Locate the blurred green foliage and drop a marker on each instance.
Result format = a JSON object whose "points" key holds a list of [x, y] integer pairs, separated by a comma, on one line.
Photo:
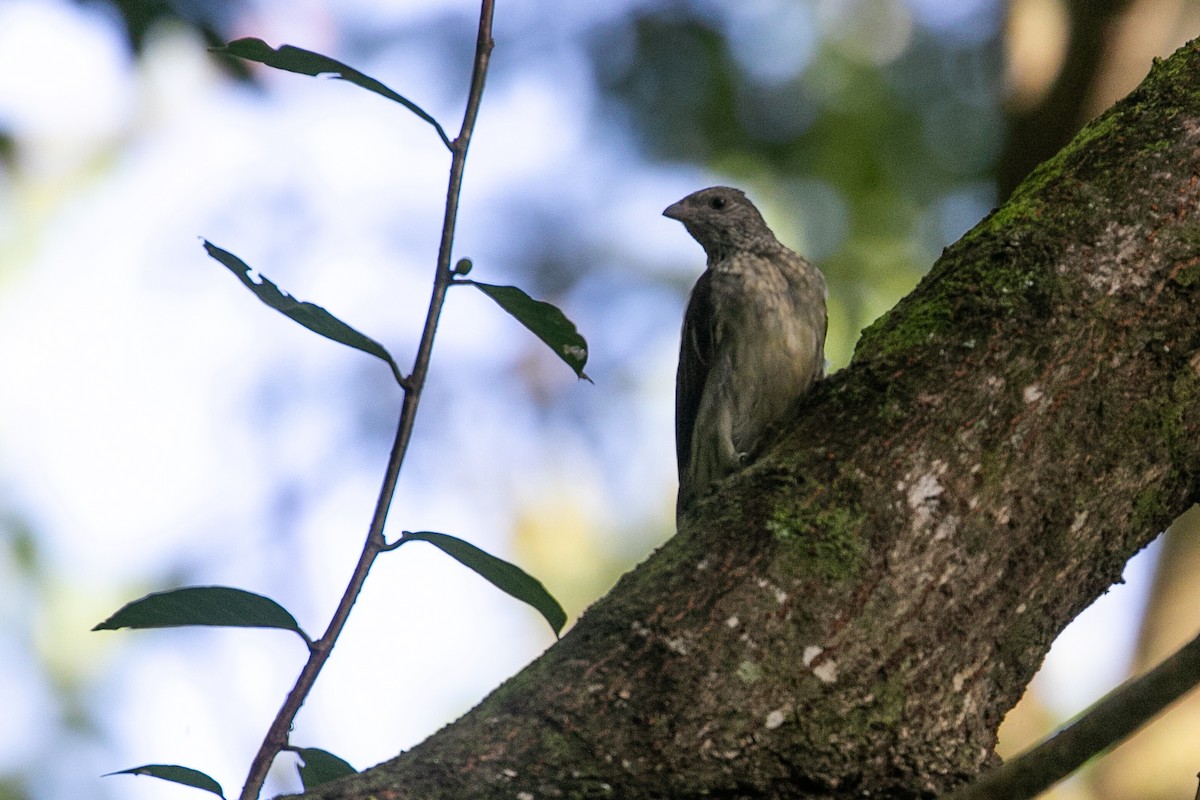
{"points": [[869, 131], [878, 151]]}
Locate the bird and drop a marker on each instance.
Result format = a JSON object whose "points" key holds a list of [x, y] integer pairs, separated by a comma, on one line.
{"points": [[753, 338]]}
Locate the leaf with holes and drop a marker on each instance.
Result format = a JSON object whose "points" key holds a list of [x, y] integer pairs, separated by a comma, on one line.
{"points": [[544, 320], [311, 316]]}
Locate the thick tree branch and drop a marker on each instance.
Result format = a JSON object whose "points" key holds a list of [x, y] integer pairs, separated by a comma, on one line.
{"points": [[854, 613]]}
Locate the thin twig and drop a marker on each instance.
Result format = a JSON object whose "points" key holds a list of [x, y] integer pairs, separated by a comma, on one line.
{"points": [[1116, 716], [276, 738]]}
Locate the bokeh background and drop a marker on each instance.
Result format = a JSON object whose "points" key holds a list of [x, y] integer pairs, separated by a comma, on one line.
{"points": [[159, 427]]}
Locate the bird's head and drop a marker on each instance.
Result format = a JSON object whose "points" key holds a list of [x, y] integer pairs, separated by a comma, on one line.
{"points": [[721, 219]]}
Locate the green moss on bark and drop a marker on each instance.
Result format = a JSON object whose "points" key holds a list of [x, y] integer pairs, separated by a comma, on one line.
{"points": [[823, 535]]}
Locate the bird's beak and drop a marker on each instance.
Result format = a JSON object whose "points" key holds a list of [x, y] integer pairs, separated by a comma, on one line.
{"points": [[674, 211]]}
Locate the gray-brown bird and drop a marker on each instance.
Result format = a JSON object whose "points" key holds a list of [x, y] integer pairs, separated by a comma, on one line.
{"points": [[753, 338]]}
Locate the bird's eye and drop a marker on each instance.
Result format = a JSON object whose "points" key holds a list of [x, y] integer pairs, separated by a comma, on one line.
{"points": [[717, 203]]}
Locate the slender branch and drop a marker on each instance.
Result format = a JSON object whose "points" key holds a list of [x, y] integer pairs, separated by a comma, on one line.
{"points": [[1112, 719], [276, 738]]}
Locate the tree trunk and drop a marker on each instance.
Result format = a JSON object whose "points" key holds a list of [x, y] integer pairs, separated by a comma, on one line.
{"points": [[853, 614]]}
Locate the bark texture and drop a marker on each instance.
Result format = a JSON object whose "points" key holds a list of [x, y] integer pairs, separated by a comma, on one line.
{"points": [[853, 614]]}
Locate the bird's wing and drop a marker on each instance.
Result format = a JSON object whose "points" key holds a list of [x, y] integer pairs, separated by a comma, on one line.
{"points": [[816, 307], [695, 358]]}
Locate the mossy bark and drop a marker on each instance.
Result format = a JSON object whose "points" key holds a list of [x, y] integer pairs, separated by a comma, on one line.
{"points": [[853, 614]]}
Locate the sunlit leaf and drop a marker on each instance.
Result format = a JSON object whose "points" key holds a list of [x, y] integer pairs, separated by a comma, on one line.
{"points": [[503, 575], [545, 320], [311, 316], [176, 774], [319, 766], [202, 605], [306, 62]]}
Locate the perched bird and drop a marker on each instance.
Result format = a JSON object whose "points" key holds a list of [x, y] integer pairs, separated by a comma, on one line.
{"points": [[753, 338]]}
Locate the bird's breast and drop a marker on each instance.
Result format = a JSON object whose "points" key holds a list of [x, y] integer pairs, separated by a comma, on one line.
{"points": [[769, 342]]}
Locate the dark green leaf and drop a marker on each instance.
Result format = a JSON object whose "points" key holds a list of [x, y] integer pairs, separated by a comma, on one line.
{"points": [[311, 316], [306, 62], [176, 774], [503, 575], [319, 766], [202, 605], [545, 320]]}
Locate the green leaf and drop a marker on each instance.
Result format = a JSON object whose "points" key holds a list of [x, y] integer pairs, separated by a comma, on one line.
{"points": [[202, 605], [306, 62], [176, 774], [503, 575], [545, 320], [320, 767], [311, 316]]}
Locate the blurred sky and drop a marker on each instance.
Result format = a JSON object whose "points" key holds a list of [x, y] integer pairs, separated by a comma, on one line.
{"points": [[160, 427]]}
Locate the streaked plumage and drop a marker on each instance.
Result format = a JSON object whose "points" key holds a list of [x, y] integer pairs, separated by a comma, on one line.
{"points": [[753, 338]]}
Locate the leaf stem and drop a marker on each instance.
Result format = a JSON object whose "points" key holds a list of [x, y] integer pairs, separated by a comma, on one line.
{"points": [[276, 738]]}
